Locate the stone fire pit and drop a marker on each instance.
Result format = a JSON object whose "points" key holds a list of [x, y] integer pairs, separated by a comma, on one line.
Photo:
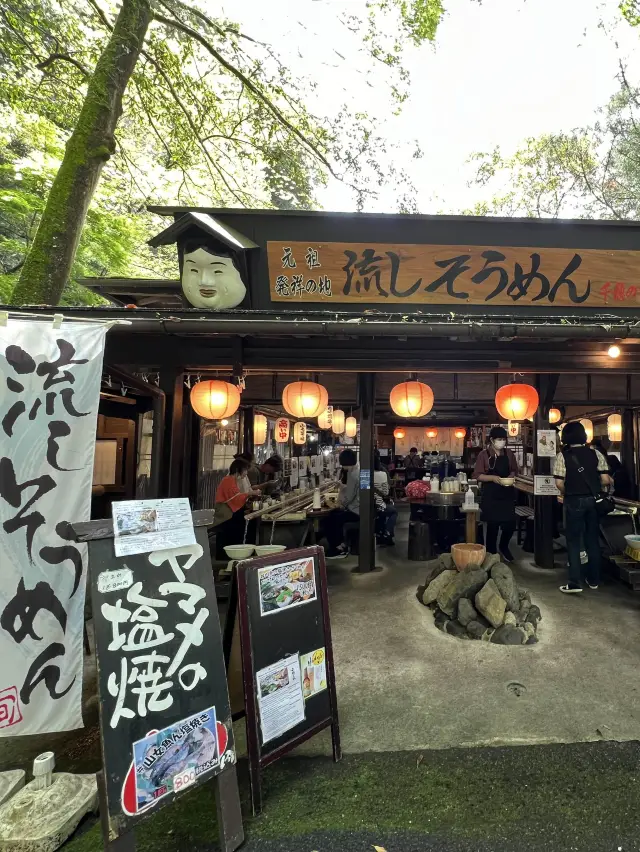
{"points": [[481, 602]]}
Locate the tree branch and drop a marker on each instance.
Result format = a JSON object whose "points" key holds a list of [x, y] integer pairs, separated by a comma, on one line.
{"points": [[42, 66], [190, 122], [236, 72]]}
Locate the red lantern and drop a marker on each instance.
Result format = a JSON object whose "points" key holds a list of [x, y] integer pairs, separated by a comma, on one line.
{"points": [[399, 433], [460, 433], [517, 401], [411, 399], [431, 432], [555, 415]]}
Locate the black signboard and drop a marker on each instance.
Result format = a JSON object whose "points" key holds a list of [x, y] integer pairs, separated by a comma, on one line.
{"points": [[287, 656], [164, 707]]}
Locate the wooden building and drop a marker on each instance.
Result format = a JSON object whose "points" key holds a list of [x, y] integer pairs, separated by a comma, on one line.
{"points": [[366, 300]]}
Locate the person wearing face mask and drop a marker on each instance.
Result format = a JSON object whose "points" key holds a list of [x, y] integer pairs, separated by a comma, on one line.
{"points": [[498, 500], [233, 492]]}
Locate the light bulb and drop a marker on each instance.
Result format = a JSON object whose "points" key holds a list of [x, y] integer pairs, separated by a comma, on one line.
{"points": [[225, 422], [613, 351]]}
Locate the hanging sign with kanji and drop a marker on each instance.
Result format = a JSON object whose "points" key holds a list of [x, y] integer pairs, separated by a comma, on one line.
{"points": [[453, 275], [49, 395], [282, 430]]}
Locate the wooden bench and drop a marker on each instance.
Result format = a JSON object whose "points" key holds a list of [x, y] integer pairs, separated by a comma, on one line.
{"points": [[523, 513]]}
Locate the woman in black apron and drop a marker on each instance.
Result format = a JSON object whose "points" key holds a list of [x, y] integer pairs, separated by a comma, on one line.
{"points": [[498, 500]]}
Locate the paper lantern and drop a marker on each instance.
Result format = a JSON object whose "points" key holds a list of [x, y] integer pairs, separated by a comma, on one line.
{"points": [[431, 432], [555, 415], [325, 420], [351, 427], [588, 428], [460, 433], [399, 433], [411, 399], [614, 427], [259, 429], [299, 433], [517, 401], [214, 399], [338, 422], [282, 430], [304, 399]]}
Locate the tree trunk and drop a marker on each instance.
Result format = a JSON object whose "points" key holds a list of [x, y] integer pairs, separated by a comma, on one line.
{"points": [[48, 264]]}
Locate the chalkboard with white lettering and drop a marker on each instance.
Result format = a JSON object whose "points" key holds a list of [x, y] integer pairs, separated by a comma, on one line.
{"points": [[164, 705]]}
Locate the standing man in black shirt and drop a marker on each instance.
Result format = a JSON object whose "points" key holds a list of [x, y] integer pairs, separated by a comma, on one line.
{"points": [[580, 473]]}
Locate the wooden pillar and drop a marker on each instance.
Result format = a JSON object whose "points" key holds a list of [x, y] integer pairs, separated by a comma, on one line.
{"points": [[627, 449], [246, 432], [174, 438], [367, 396], [543, 506]]}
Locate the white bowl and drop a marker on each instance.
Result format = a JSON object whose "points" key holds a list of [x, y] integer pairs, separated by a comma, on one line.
{"points": [[507, 480], [239, 551], [269, 549], [633, 541]]}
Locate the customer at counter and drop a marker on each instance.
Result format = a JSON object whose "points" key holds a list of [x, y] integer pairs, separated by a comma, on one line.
{"points": [[498, 502], [387, 512], [348, 509], [581, 473], [231, 495], [261, 475], [413, 465]]}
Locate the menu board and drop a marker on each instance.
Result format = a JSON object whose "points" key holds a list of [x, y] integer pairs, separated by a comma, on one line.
{"points": [[165, 722], [287, 656]]}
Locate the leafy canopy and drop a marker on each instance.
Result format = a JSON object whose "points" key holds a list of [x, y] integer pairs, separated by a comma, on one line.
{"points": [[211, 116], [591, 172]]}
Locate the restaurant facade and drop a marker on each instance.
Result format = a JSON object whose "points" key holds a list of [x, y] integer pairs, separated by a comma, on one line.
{"points": [[360, 303]]}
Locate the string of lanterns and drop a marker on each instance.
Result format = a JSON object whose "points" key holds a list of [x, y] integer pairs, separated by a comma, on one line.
{"points": [[215, 399]]}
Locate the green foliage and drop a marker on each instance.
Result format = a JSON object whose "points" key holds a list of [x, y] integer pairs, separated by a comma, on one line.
{"points": [[211, 117], [30, 152], [631, 11], [592, 172]]}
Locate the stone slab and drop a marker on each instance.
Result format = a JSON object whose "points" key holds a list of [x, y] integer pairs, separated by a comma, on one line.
{"points": [[10, 782], [41, 820]]}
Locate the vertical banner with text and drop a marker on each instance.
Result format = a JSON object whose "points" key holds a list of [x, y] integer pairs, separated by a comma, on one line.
{"points": [[49, 395]]}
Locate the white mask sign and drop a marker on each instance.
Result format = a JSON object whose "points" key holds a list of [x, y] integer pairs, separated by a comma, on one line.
{"points": [[211, 280]]}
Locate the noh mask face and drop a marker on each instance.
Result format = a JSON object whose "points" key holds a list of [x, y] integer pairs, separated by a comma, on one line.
{"points": [[211, 281]]}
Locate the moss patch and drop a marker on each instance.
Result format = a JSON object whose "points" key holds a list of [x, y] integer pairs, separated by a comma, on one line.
{"points": [[521, 794]]}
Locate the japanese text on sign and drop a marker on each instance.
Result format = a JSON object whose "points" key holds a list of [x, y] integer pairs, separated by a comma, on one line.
{"points": [[438, 274], [143, 679], [49, 393]]}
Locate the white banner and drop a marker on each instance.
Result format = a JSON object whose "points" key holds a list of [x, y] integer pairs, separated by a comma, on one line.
{"points": [[49, 394]]}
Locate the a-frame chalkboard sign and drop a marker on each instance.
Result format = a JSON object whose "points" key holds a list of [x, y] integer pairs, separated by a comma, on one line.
{"points": [[165, 722], [287, 656]]}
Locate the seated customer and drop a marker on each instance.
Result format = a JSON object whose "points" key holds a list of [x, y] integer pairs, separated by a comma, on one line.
{"points": [[384, 506], [232, 493], [348, 505]]}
